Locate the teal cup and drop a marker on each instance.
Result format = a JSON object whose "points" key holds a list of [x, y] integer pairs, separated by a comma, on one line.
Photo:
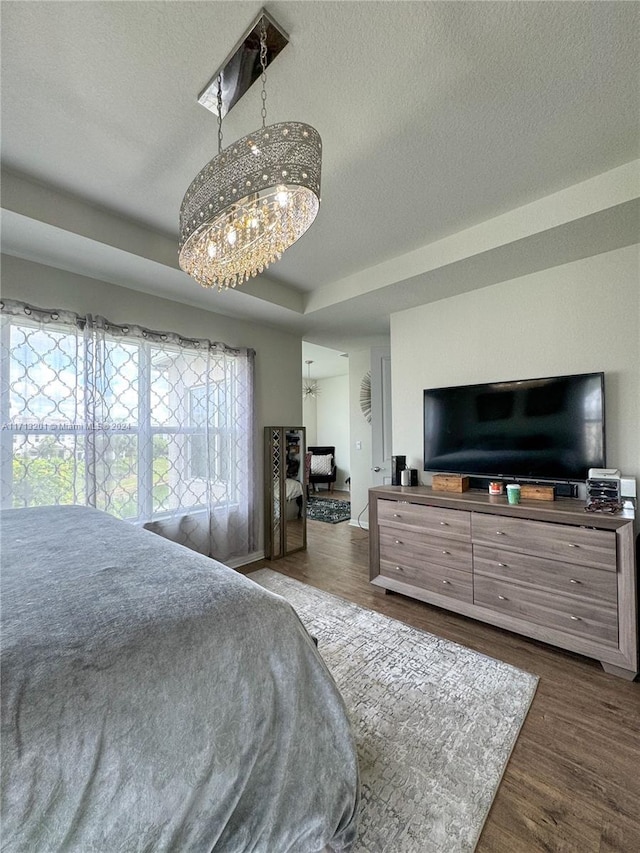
{"points": [[513, 493]]}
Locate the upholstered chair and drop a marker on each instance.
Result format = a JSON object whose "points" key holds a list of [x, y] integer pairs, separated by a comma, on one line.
{"points": [[323, 466]]}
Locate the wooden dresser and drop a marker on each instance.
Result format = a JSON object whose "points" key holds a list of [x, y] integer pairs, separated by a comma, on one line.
{"points": [[550, 571]]}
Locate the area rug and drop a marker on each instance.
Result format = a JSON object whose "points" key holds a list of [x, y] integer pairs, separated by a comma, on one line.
{"points": [[434, 722], [328, 509]]}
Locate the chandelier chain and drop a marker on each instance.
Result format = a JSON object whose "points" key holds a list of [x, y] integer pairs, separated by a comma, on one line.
{"points": [[219, 113], [263, 76]]}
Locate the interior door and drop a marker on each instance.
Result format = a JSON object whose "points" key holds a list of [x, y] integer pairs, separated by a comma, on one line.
{"points": [[381, 438]]}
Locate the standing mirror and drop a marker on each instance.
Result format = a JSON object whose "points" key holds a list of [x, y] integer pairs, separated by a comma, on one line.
{"points": [[285, 491]]}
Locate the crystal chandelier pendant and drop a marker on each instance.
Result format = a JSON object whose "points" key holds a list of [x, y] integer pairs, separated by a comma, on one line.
{"points": [[254, 199], [250, 203]]}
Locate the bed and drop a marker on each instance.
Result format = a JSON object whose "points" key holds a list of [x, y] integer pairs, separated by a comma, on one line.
{"points": [[155, 700], [293, 498]]}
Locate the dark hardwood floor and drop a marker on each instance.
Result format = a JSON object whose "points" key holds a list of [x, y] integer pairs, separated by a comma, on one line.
{"points": [[573, 780]]}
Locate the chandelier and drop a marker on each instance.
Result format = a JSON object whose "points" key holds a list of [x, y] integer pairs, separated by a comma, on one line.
{"points": [[254, 199], [309, 389]]}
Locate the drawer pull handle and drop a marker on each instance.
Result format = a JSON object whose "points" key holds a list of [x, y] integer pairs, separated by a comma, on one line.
{"points": [[576, 619], [499, 533], [502, 598], [398, 542], [446, 552], [571, 545], [573, 580], [444, 523], [397, 515], [399, 569], [503, 565], [446, 582]]}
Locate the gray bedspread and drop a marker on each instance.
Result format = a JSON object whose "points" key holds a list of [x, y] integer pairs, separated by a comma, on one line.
{"points": [[155, 700]]}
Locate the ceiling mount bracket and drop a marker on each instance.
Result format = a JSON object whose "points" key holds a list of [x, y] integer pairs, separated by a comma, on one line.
{"points": [[242, 67]]}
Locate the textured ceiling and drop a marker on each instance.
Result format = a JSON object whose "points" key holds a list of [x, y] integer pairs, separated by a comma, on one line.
{"points": [[435, 117]]}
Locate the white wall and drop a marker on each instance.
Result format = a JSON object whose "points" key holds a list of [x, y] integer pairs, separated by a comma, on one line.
{"points": [[332, 422], [575, 318], [278, 391], [310, 419]]}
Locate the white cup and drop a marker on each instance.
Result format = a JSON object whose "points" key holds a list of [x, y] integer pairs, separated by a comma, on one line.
{"points": [[405, 477]]}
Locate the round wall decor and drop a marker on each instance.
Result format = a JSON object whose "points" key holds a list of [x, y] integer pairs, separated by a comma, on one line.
{"points": [[365, 396]]}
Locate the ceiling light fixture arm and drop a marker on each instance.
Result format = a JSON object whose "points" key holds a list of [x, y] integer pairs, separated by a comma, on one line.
{"points": [[263, 65], [219, 113]]}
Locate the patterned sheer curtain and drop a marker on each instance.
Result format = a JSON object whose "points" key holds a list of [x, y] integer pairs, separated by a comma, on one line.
{"points": [[149, 426]]}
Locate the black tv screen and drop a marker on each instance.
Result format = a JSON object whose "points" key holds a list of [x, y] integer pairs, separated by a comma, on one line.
{"points": [[535, 429]]}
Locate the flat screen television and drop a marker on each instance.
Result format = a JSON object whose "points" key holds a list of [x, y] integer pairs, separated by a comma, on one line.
{"points": [[532, 429]]}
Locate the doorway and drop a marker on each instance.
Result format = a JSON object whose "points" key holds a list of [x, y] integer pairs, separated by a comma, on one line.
{"points": [[325, 410]]}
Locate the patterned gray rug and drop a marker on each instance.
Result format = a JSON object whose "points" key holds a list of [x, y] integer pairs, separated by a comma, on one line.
{"points": [[328, 509], [434, 722]]}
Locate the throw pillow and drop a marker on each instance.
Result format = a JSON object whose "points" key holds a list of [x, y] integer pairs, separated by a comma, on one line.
{"points": [[321, 465]]}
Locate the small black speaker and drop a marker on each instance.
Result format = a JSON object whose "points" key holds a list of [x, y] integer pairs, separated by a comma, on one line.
{"points": [[414, 476], [398, 463]]}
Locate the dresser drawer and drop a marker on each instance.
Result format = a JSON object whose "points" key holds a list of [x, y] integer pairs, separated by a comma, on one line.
{"points": [[413, 548], [582, 581], [566, 613], [432, 577], [427, 519], [562, 542]]}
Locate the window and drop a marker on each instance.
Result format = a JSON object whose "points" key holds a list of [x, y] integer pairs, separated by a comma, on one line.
{"points": [[143, 425], [42, 451]]}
